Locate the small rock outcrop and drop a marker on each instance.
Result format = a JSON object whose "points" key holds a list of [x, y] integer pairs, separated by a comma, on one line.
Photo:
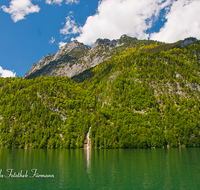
{"points": [[188, 41], [104, 42]]}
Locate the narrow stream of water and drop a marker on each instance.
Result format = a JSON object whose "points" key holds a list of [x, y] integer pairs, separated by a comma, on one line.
{"points": [[88, 139]]}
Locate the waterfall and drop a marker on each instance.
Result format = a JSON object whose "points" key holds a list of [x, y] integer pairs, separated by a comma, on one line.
{"points": [[88, 151], [88, 139]]}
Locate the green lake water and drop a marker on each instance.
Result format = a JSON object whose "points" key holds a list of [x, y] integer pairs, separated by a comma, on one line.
{"points": [[101, 169]]}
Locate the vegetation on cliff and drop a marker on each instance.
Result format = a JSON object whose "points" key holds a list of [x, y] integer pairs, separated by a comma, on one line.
{"points": [[146, 95]]}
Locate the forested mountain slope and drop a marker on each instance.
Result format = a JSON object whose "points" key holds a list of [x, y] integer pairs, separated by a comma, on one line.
{"points": [[146, 95]]}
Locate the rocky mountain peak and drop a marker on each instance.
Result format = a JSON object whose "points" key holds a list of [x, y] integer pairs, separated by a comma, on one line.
{"points": [[50, 55], [45, 60], [71, 45], [104, 42], [125, 40], [67, 48], [42, 60], [123, 36], [101, 44]]}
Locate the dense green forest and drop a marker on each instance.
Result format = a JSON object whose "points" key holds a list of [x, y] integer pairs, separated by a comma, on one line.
{"points": [[144, 96]]}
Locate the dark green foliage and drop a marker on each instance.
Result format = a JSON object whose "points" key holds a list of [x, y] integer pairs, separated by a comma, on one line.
{"points": [[164, 47], [32, 112], [144, 96]]}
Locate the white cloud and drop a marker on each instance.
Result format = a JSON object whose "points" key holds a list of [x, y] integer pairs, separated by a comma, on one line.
{"points": [[72, 1], [51, 2], [182, 21], [61, 44], [117, 17], [20, 8], [48, 2], [52, 40], [6, 73], [70, 27]]}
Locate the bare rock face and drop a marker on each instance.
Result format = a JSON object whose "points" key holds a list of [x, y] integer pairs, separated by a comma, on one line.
{"points": [[104, 42], [67, 48], [58, 64], [75, 57], [41, 63], [72, 59], [188, 41]]}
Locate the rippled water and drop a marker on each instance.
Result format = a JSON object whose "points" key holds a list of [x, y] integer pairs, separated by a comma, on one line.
{"points": [[102, 169]]}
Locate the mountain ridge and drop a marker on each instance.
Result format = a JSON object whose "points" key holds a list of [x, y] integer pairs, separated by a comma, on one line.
{"points": [[75, 57]]}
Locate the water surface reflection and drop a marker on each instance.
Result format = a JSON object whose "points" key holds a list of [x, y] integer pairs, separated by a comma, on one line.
{"points": [[104, 169]]}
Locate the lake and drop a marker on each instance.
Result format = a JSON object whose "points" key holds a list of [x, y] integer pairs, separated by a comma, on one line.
{"points": [[100, 169]]}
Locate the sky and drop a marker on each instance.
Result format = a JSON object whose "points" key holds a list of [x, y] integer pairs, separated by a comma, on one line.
{"points": [[31, 29]]}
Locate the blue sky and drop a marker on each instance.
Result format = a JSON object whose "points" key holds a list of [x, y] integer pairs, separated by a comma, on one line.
{"points": [[30, 29]]}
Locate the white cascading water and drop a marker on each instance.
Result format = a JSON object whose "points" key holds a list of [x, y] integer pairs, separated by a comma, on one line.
{"points": [[88, 151], [88, 139]]}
